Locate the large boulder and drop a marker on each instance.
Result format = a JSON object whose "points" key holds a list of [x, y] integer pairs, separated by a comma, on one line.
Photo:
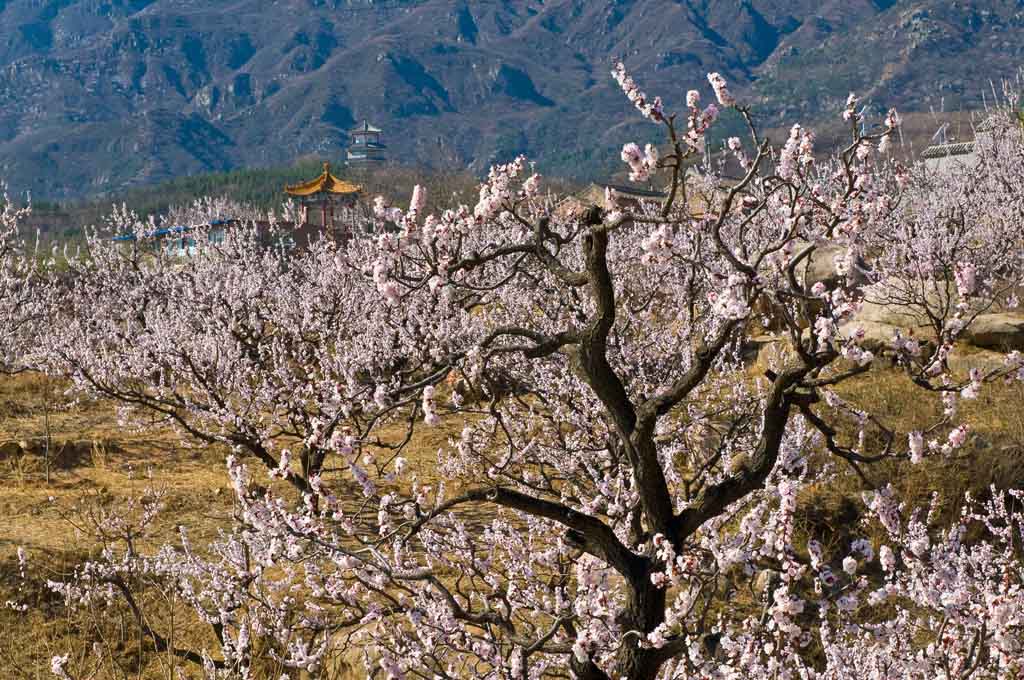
{"points": [[1002, 331], [878, 336], [909, 305], [909, 319], [820, 267], [765, 352]]}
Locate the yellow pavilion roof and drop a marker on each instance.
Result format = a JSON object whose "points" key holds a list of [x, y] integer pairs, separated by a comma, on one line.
{"points": [[326, 183]]}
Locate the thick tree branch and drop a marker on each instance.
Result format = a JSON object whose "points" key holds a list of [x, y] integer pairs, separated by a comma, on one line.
{"points": [[752, 476], [602, 378], [664, 401], [591, 534]]}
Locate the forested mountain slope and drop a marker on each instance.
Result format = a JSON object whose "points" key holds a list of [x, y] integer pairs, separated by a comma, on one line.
{"points": [[97, 95]]}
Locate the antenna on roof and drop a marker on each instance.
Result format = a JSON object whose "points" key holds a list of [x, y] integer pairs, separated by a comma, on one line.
{"points": [[941, 132], [863, 120]]}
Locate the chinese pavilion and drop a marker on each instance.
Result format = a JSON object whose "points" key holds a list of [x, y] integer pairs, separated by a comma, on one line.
{"points": [[365, 144], [325, 192]]}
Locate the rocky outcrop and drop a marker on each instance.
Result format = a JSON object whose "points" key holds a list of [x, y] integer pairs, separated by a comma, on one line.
{"points": [[821, 267], [96, 96], [1002, 331], [905, 306], [878, 336]]}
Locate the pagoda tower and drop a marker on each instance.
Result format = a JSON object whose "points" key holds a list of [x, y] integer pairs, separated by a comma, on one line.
{"points": [[365, 145], [324, 193]]}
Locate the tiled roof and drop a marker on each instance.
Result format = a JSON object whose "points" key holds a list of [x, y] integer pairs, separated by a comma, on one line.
{"points": [[325, 183], [365, 127], [943, 150]]}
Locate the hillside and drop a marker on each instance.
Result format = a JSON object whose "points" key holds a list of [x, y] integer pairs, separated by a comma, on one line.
{"points": [[100, 95]]}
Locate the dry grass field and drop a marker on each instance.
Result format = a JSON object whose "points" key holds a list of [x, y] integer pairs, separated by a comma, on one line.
{"points": [[95, 462]]}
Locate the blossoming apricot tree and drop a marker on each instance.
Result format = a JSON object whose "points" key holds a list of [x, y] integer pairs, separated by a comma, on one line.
{"points": [[20, 304], [620, 492]]}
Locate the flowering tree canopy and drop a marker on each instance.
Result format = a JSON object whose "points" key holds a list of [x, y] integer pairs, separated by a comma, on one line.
{"points": [[21, 305], [617, 499]]}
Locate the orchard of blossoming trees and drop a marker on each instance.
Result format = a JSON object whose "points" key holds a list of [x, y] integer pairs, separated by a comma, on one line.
{"points": [[20, 305], [621, 484]]}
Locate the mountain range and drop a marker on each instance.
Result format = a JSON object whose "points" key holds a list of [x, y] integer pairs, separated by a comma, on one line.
{"points": [[100, 95]]}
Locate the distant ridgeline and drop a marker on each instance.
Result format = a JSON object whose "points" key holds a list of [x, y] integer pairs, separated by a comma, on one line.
{"points": [[123, 93]]}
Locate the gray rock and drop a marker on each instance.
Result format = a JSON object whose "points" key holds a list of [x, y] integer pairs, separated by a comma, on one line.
{"points": [[1002, 331], [820, 267], [894, 316], [754, 345], [878, 337], [904, 304]]}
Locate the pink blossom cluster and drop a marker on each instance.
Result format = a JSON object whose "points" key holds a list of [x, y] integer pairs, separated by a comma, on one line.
{"points": [[498, 193], [730, 302], [650, 109], [641, 163], [797, 154], [22, 306], [721, 89]]}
